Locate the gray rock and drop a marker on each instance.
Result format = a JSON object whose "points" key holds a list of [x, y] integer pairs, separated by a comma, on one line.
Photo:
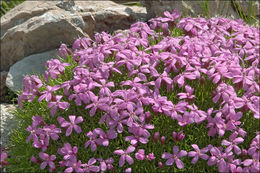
{"points": [[33, 64], [37, 26], [39, 34], [8, 122]]}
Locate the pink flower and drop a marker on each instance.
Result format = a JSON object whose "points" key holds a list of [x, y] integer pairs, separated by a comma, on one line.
{"points": [[3, 157], [64, 51], [47, 160], [178, 136], [187, 95], [92, 140], [140, 154], [124, 155], [105, 164], [90, 167], [74, 165], [218, 157], [47, 95], [198, 153], [233, 143], [128, 170], [57, 104], [72, 124], [171, 158], [150, 156], [68, 152]]}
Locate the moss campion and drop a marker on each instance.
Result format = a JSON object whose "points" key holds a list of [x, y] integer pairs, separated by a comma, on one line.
{"points": [[172, 95]]}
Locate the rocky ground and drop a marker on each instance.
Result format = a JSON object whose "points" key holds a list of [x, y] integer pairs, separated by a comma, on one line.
{"points": [[8, 122]]}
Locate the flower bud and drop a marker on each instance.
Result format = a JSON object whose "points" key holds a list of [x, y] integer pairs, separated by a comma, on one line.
{"points": [[156, 136], [62, 163], [244, 153], [202, 80], [64, 51], [163, 140], [160, 164], [150, 156], [214, 93], [148, 116], [180, 136], [174, 136]]}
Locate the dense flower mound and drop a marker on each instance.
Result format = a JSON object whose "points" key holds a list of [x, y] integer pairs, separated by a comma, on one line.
{"points": [[172, 95]]}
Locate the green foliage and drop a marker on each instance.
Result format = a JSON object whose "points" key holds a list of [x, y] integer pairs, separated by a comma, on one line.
{"points": [[7, 5], [195, 134], [10, 97], [249, 17]]}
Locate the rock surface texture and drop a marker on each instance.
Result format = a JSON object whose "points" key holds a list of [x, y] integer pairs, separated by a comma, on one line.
{"points": [[38, 26], [33, 64], [8, 122]]}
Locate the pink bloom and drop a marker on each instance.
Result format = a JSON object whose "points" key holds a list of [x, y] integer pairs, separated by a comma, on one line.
{"points": [[105, 164], [74, 165], [57, 104], [47, 160], [187, 95], [90, 167], [3, 157], [150, 156], [233, 143], [64, 51], [128, 170], [124, 155], [198, 153], [218, 157], [68, 152], [92, 140], [72, 124], [140, 154], [171, 158], [47, 95], [178, 136]]}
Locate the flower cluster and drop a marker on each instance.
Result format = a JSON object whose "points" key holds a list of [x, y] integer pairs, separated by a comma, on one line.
{"points": [[206, 75]]}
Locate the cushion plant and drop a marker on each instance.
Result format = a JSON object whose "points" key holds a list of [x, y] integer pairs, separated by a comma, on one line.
{"points": [[172, 95]]}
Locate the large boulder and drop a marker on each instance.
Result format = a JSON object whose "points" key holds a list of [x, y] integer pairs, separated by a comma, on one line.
{"points": [[39, 26], [33, 64], [38, 34], [190, 8]]}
